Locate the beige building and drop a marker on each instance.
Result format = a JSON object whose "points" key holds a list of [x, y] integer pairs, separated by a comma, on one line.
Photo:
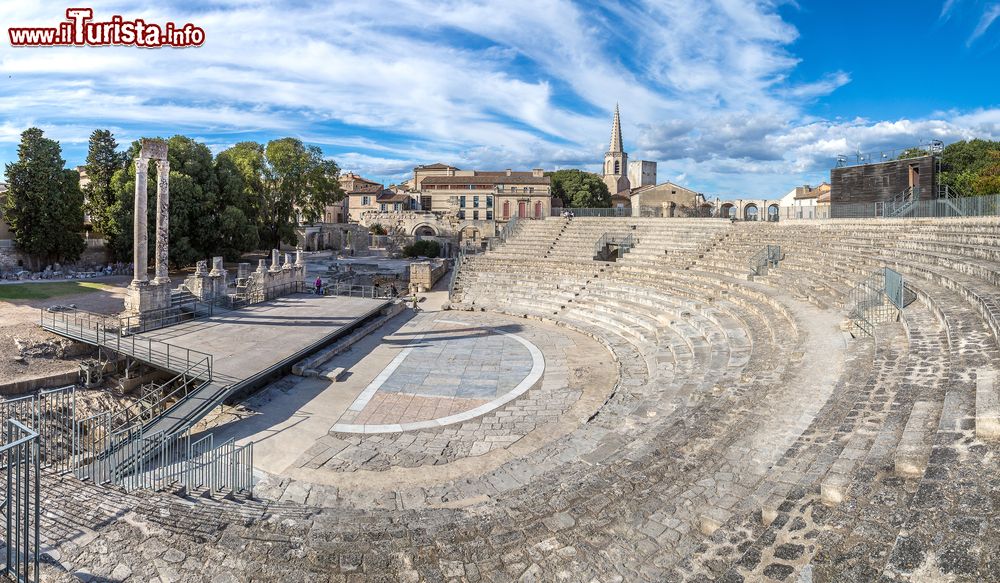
{"points": [[664, 199], [802, 202], [478, 195], [363, 195]]}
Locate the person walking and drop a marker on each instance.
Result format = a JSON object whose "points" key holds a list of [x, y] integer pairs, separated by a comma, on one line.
{"points": [[319, 286]]}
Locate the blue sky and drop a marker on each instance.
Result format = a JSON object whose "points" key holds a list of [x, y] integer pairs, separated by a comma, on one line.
{"points": [[732, 98]]}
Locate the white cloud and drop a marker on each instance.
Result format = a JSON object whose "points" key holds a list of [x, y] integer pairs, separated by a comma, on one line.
{"points": [[384, 85], [985, 21]]}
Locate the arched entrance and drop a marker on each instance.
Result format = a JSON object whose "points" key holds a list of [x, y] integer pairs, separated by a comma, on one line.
{"points": [[772, 213], [538, 210], [424, 231], [728, 211], [705, 210], [522, 210], [751, 212]]}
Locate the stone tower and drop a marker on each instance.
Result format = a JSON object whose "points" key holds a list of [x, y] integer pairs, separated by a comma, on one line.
{"points": [[616, 160]]}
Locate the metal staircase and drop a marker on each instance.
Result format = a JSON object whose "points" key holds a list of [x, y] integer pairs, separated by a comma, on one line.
{"points": [[614, 246], [764, 258]]}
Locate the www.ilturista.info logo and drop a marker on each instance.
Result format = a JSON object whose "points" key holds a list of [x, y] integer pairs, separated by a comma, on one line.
{"points": [[79, 30]]}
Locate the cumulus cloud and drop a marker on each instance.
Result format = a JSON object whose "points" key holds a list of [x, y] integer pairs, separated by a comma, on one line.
{"points": [[382, 86]]}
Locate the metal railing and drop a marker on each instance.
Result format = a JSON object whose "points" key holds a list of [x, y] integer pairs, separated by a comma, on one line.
{"points": [[941, 207], [136, 460], [764, 258], [357, 291], [106, 331], [614, 244], [20, 501], [131, 457], [877, 298], [165, 394], [593, 212]]}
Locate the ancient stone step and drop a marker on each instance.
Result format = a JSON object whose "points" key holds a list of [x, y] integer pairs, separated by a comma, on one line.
{"points": [[987, 405], [914, 447]]}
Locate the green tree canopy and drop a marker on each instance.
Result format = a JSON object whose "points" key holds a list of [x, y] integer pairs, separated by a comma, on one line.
{"points": [[100, 199], [580, 189], [971, 167], [44, 204], [286, 179]]}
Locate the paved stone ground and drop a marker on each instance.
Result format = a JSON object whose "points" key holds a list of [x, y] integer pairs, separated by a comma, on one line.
{"points": [[706, 456]]}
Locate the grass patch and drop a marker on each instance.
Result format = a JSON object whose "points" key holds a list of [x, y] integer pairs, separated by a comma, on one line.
{"points": [[44, 291]]}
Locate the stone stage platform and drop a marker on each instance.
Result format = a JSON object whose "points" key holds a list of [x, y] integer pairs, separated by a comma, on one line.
{"points": [[250, 345]]}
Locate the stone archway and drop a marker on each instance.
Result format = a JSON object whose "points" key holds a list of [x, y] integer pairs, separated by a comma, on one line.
{"points": [[706, 210], [773, 212], [424, 230], [751, 212], [727, 210]]}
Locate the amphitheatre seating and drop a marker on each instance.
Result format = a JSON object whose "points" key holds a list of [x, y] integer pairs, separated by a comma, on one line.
{"points": [[681, 300]]}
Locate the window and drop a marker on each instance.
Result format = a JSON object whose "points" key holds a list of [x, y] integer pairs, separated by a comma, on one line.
{"points": [[425, 203], [500, 188], [513, 189], [531, 189], [489, 215], [461, 214], [506, 210], [489, 202], [618, 167], [475, 215], [461, 201], [366, 200], [382, 207], [397, 207], [475, 202]]}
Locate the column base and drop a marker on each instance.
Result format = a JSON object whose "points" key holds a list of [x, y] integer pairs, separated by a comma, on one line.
{"points": [[143, 297]]}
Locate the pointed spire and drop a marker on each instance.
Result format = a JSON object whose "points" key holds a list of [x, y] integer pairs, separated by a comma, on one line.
{"points": [[616, 133]]}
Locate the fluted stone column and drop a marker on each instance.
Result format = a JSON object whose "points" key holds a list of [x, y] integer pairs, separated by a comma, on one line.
{"points": [[162, 221], [139, 234]]}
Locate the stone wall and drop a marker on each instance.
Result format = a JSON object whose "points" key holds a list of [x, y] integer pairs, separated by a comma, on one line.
{"points": [[425, 274]]}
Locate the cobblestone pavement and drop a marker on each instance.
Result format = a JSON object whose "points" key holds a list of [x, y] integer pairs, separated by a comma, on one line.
{"points": [[733, 433]]}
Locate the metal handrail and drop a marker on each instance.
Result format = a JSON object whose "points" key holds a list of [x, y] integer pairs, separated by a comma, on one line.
{"points": [[625, 243], [766, 256], [359, 291], [188, 377], [21, 501], [99, 332]]}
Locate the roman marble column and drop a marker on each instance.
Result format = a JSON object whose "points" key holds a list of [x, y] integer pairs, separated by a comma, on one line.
{"points": [[139, 235], [162, 221]]}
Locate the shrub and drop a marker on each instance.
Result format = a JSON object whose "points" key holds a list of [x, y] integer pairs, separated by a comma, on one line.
{"points": [[423, 248], [378, 229]]}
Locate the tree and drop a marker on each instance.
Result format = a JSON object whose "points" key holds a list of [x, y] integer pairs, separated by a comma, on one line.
{"points": [[970, 166], [377, 229], [423, 248], [44, 204], [287, 180], [580, 189], [101, 200]]}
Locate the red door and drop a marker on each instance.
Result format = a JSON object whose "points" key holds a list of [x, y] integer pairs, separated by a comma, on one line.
{"points": [[522, 210]]}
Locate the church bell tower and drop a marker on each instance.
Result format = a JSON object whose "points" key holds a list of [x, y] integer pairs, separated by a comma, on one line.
{"points": [[616, 160]]}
